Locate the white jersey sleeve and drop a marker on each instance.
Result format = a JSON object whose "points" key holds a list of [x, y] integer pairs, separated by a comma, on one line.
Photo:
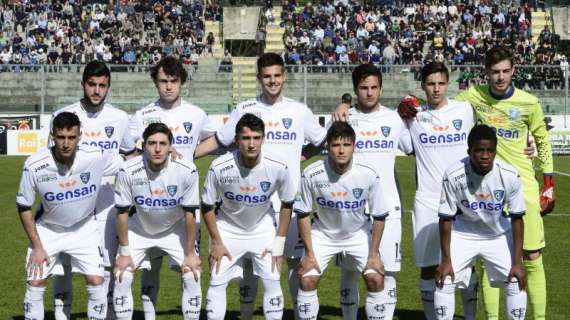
{"points": [[113, 163], [226, 133], [287, 189], [376, 201], [405, 144], [27, 192], [127, 142], [305, 206], [515, 196], [189, 200], [448, 201], [208, 128], [210, 193], [314, 132], [136, 127], [123, 196]]}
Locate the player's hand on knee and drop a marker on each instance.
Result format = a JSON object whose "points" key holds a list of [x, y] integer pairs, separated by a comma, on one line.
{"points": [[217, 252], [308, 263], [375, 264], [341, 113], [122, 264], [443, 271], [517, 271], [35, 265], [192, 264], [409, 107]]}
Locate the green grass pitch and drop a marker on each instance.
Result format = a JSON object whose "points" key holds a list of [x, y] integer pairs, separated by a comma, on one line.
{"points": [[14, 243]]}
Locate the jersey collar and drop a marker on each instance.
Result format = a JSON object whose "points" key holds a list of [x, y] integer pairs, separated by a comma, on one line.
{"points": [[508, 94]]}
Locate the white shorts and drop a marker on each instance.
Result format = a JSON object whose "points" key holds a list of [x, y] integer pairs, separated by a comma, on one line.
{"points": [[172, 242], [80, 243], [354, 250], [241, 248], [425, 223], [496, 252], [390, 248], [293, 243]]}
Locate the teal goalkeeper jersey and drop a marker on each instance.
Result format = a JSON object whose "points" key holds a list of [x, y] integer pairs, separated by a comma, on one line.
{"points": [[513, 118]]}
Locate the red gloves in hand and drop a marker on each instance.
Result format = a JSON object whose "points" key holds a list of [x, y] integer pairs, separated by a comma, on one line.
{"points": [[547, 195], [409, 107]]}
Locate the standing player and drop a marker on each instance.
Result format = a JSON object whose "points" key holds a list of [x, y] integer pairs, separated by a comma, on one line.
{"points": [[341, 188], [242, 226], [189, 125], [165, 194], [105, 127], [67, 177], [288, 124], [515, 115], [379, 131], [476, 192]]}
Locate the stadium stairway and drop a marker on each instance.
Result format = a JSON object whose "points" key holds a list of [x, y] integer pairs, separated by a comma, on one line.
{"points": [[244, 82], [214, 28], [539, 20], [274, 37]]}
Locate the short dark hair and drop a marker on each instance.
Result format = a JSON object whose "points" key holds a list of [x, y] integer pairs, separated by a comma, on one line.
{"points": [[363, 71], [96, 68], [433, 67], [268, 60], [346, 98], [496, 55], [171, 67], [481, 132], [252, 122], [65, 120], [157, 127], [340, 130]]}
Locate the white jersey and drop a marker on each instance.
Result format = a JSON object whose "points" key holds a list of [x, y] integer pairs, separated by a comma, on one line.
{"points": [[245, 193], [378, 135], [288, 124], [189, 125], [439, 138], [478, 203], [107, 129], [68, 195], [161, 197], [341, 200]]}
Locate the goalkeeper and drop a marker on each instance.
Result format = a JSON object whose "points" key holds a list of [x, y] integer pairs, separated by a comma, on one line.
{"points": [[515, 115]]}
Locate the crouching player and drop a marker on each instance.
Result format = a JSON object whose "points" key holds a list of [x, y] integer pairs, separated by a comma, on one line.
{"points": [[165, 194], [341, 189], [68, 178], [243, 227], [476, 191]]}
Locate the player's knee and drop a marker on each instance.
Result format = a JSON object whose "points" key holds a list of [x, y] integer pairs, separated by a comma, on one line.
{"points": [[374, 282], [37, 283], [428, 273], [531, 255], [94, 280], [308, 283]]}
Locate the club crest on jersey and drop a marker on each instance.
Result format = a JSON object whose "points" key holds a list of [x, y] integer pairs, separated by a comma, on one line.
{"points": [[109, 131], [265, 185], [499, 195], [287, 122], [457, 123], [357, 192], [187, 126], [385, 131], [171, 190], [85, 177]]}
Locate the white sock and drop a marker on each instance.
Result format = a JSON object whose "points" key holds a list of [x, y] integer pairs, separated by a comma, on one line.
{"points": [[123, 297], [349, 295], [150, 283], [427, 287], [469, 297], [293, 284], [375, 305], [109, 287], [96, 302], [34, 302], [307, 304], [272, 299], [191, 297], [63, 294], [444, 301], [516, 301], [216, 302], [391, 294], [247, 290]]}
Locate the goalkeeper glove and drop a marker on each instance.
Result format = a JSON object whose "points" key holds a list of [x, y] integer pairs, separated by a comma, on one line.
{"points": [[547, 195], [409, 107]]}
